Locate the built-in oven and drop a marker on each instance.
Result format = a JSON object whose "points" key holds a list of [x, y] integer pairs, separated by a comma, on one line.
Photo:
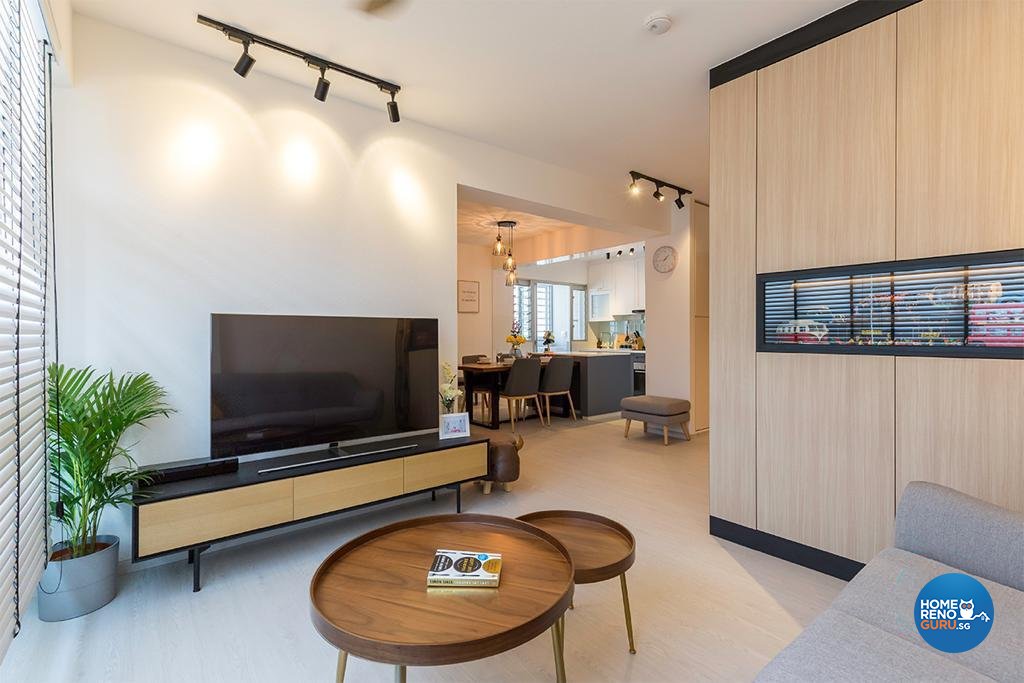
{"points": [[639, 374]]}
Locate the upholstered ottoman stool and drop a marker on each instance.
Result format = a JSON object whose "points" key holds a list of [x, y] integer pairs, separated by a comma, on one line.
{"points": [[503, 461], [659, 410]]}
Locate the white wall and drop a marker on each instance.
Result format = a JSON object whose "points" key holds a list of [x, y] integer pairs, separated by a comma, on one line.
{"points": [[184, 190], [573, 271], [668, 314], [475, 333]]}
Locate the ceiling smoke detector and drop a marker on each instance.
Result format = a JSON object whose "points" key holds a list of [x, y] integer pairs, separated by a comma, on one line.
{"points": [[658, 24]]}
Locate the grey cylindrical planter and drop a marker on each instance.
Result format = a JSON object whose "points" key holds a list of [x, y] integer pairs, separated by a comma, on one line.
{"points": [[71, 588]]}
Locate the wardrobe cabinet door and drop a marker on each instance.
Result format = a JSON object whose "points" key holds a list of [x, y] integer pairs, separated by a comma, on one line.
{"points": [[960, 142], [826, 153]]}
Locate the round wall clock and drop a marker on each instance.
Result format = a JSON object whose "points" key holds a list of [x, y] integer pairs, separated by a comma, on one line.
{"points": [[665, 259]]}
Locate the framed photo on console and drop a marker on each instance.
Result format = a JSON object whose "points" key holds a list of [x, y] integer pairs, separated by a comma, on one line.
{"points": [[454, 426]]}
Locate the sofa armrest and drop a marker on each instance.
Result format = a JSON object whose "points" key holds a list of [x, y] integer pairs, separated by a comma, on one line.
{"points": [[953, 528]]}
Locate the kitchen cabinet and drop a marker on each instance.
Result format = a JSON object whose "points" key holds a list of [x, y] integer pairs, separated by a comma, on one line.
{"points": [[616, 288], [641, 284], [599, 277], [623, 287], [600, 306]]}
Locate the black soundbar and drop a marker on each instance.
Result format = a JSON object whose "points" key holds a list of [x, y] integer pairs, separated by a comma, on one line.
{"points": [[192, 469]]}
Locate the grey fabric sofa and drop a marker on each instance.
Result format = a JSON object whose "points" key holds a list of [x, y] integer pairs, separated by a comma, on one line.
{"points": [[869, 634]]}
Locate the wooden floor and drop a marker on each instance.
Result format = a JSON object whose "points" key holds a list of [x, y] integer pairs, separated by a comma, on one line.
{"points": [[703, 609]]}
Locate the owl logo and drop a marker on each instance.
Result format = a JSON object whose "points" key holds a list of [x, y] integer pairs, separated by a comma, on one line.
{"points": [[967, 609]]}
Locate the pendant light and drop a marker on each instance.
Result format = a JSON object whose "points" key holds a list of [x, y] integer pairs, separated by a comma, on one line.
{"points": [[499, 248], [509, 264]]}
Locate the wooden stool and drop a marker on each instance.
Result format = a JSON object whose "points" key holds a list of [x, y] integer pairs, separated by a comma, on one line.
{"points": [[600, 548]]}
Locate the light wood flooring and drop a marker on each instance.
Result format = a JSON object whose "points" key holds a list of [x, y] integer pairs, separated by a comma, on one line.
{"points": [[703, 609]]}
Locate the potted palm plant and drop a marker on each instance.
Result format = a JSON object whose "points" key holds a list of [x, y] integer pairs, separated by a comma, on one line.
{"points": [[90, 469]]}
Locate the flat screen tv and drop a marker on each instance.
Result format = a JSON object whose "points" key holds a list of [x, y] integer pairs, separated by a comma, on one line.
{"points": [[288, 381]]}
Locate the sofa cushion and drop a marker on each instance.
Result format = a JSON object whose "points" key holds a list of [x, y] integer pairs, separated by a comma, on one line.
{"points": [[883, 594], [951, 527], [840, 647], [655, 405]]}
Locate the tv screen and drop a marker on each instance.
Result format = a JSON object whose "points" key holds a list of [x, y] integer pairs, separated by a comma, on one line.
{"points": [[285, 381]]}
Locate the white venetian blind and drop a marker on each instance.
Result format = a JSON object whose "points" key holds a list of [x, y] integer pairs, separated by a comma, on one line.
{"points": [[23, 268]]}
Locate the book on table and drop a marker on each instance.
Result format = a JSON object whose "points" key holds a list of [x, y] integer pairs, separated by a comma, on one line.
{"points": [[464, 568]]}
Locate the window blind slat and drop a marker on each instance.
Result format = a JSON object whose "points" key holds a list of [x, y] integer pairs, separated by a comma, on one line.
{"points": [[24, 231]]}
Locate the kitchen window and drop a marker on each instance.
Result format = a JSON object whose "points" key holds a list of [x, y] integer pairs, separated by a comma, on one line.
{"points": [[522, 307], [579, 314]]}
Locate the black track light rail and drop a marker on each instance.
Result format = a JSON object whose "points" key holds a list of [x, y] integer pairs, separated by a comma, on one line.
{"points": [[658, 184], [242, 36]]}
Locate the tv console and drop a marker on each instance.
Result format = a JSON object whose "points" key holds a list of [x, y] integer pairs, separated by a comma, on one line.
{"points": [[172, 516]]}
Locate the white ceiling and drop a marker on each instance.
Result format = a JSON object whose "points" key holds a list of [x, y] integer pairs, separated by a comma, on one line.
{"points": [[578, 83], [477, 223]]}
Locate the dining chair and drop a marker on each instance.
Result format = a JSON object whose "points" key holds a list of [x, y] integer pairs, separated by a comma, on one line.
{"points": [[557, 381], [522, 385], [482, 391]]}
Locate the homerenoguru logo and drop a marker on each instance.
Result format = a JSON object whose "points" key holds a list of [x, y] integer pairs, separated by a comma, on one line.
{"points": [[954, 613]]}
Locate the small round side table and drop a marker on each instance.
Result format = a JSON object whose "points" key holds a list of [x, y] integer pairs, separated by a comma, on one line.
{"points": [[370, 599], [601, 549]]}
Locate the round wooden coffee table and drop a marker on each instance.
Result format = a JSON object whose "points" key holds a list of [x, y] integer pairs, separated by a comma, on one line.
{"points": [[601, 549], [369, 598]]}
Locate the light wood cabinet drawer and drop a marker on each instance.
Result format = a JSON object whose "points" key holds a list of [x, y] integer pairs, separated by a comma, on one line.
{"points": [[444, 467], [187, 521], [316, 494]]}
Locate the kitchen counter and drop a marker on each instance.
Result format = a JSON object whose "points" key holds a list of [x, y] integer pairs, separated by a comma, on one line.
{"points": [[603, 379]]}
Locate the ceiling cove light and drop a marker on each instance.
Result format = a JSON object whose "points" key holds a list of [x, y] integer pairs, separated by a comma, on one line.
{"points": [[245, 63], [634, 187]]}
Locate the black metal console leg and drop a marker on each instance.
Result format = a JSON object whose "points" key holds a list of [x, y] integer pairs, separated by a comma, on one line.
{"points": [[193, 559], [433, 495], [458, 498]]}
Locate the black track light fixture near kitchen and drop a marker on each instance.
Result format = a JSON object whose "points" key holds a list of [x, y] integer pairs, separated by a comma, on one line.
{"points": [[244, 64], [393, 110], [246, 61], [323, 86], [634, 187]]}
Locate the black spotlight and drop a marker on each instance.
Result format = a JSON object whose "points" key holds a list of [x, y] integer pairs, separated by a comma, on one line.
{"points": [[393, 110], [244, 64], [618, 253], [608, 255], [679, 201], [322, 86], [632, 251], [658, 195]]}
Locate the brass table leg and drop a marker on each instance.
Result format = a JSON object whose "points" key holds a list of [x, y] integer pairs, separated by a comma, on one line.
{"points": [[557, 642], [342, 660], [629, 618], [400, 673]]}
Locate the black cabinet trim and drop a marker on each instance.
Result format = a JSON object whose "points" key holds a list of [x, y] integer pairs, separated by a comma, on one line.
{"points": [[832, 25], [785, 549]]}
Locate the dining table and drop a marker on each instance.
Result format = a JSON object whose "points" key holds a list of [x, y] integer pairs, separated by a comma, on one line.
{"points": [[491, 376]]}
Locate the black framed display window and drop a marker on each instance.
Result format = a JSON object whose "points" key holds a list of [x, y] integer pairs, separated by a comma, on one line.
{"points": [[952, 306]]}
